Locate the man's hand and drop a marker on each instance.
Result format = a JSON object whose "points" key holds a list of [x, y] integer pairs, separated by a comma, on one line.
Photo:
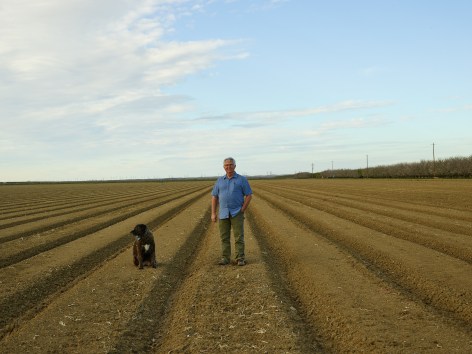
{"points": [[213, 217]]}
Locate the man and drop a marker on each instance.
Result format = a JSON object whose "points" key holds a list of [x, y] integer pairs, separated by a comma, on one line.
{"points": [[231, 194]]}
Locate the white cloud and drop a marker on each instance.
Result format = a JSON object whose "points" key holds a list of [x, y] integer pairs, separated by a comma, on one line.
{"points": [[85, 89], [84, 49], [257, 118], [104, 63]]}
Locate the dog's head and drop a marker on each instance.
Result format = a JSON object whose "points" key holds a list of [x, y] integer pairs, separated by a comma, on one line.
{"points": [[139, 230]]}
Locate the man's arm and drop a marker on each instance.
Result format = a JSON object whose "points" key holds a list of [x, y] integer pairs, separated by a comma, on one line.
{"points": [[247, 200], [214, 207]]}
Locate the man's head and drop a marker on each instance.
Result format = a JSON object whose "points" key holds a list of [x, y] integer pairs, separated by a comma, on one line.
{"points": [[229, 164]]}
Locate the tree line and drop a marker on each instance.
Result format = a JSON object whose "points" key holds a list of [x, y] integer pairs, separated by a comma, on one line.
{"points": [[453, 167]]}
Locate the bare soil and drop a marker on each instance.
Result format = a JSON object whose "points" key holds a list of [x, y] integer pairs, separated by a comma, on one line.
{"points": [[381, 266]]}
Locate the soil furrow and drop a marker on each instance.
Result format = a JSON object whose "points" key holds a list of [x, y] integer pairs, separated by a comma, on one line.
{"points": [[27, 302], [97, 224], [69, 207], [216, 306], [329, 270], [349, 306], [91, 315], [19, 276], [413, 206], [39, 197], [70, 203], [49, 222], [88, 195], [408, 265], [421, 217], [453, 195], [138, 338], [455, 245]]}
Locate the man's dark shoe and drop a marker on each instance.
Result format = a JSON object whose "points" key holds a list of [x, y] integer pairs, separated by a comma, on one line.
{"points": [[223, 261], [241, 262]]}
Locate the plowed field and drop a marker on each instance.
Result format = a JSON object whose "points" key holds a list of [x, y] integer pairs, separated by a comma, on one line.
{"points": [[334, 266]]}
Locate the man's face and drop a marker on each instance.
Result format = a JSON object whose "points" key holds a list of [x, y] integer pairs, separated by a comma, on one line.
{"points": [[229, 167]]}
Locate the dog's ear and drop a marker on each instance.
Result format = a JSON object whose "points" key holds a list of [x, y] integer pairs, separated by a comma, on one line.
{"points": [[139, 230], [142, 229]]}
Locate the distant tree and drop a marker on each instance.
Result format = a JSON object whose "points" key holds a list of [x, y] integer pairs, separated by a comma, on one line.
{"points": [[454, 167]]}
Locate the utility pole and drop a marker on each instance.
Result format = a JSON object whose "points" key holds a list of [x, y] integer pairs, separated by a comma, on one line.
{"points": [[367, 166], [332, 169], [312, 167], [434, 163]]}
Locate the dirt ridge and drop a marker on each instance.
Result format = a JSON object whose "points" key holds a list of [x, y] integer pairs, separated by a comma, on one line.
{"points": [[329, 310], [455, 303], [140, 339], [52, 225], [23, 305], [330, 279]]}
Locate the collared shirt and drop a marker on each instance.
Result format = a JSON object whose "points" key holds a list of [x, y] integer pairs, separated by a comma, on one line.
{"points": [[231, 193]]}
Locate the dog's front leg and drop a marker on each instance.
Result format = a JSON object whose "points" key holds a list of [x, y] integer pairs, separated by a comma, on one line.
{"points": [[140, 255], [140, 260], [153, 260], [135, 254]]}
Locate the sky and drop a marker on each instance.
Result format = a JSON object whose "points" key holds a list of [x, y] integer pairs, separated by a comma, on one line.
{"points": [[131, 89]]}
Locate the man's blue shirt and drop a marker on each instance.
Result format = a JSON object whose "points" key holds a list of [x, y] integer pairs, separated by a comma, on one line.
{"points": [[231, 193]]}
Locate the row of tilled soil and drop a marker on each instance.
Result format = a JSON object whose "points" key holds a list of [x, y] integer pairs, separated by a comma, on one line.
{"points": [[116, 306], [438, 279], [445, 218], [364, 291], [232, 309], [417, 226], [59, 198], [448, 194], [67, 205], [317, 280], [188, 304], [32, 198], [28, 285], [393, 247], [426, 221], [49, 233], [23, 224]]}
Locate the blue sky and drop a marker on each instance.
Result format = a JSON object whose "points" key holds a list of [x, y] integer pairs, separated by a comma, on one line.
{"points": [[155, 89]]}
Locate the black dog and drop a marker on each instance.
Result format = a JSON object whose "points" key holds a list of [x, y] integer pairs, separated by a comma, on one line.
{"points": [[144, 248]]}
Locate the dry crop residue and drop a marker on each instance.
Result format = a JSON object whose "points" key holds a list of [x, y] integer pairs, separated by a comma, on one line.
{"points": [[333, 266]]}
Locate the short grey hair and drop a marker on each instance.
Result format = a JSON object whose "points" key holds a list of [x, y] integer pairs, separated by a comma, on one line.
{"points": [[229, 159]]}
